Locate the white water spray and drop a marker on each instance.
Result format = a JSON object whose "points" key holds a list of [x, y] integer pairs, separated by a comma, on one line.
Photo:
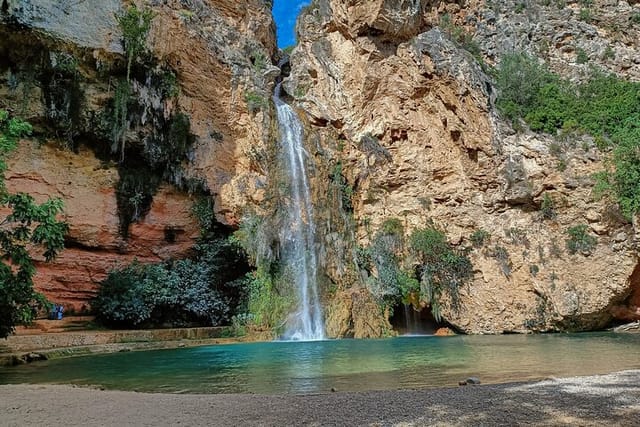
{"points": [[297, 237]]}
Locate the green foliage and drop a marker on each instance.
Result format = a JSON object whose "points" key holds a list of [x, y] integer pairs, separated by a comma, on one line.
{"points": [[344, 190], [608, 54], [581, 56], [393, 227], [203, 290], [606, 107], [479, 237], [255, 102], [134, 25], [460, 36], [256, 237], [442, 268], [63, 95], [268, 304], [259, 61], [547, 207], [26, 226], [579, 240], [119, 120], [417, 272], [521, 81], [585, 15], [167, 83], [385, 254], [288, 49], [134, 195], [202, 210]]}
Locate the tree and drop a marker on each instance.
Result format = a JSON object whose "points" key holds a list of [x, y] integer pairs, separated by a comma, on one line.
{"points": [[27, 225]]}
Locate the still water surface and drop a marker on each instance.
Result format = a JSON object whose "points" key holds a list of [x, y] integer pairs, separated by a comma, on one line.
{"points": [[346, 365]]}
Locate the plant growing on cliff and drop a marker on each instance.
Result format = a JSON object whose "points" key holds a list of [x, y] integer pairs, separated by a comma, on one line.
{"points": [[27, 225], [479, 237], [134, 25], [202, 290], [547, 207], [441, 268], [343, 189], [580, 240], [605, 107], [385, 254]]}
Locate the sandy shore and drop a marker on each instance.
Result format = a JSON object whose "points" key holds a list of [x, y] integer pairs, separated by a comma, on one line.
{"points": [[612, 400]]}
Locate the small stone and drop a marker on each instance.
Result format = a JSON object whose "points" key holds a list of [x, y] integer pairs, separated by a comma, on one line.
{"points": [[462, 383], [333, 390], [473, 380], [592, 216], [620, 237]]}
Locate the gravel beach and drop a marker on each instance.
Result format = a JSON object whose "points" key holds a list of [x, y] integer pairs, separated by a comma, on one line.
{"points": [[612, 400]]}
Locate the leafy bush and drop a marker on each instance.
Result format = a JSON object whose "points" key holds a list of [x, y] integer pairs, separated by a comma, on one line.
{"points": [[343, 188], [386, 256], [26, 226], [547, 207], [479, 237], [442, 268], [579, 240], [203, 290], [520, 79], [268, 304], [605, 107], [134, 25], [255, 102]]}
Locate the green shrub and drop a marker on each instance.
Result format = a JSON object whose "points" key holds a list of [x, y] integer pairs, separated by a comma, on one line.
{"points": [[606, 107], [442, 269], [345, 191], [479, 237], [585, 15], [520, 80], [255, 102], [579, 240], [581, 56], [25, 227], [386, 256], [268, 303], [204, 290], [134, 25], [547, 207]]}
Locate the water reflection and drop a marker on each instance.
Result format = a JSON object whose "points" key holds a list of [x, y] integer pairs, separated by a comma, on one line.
{"points": [[319, 366]]}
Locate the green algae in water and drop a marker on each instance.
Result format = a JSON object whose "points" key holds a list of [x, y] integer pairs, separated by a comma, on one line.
{"points": [[345, 365]]}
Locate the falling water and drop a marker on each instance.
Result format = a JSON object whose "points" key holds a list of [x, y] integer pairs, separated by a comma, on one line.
{"points": [[298, 236]]}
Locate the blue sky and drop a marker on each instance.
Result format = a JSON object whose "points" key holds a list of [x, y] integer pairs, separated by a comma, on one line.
{"points": [[285, 13]]}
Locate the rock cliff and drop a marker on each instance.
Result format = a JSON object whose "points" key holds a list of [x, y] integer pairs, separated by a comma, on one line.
{"points": [[194, 112], [395, 99], [399, 108]]}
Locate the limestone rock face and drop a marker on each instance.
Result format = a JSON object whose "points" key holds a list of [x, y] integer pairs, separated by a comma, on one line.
{"points": [[410, 119], [399, 19], [94, 245], [86, 23], [219, 53]]}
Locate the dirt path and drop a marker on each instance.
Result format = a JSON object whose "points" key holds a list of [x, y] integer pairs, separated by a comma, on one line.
{"points": [[612, 400]]}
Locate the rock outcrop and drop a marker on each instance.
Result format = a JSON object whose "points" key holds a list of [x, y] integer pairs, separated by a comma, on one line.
{"points": [[409, 116], [203, 83]]}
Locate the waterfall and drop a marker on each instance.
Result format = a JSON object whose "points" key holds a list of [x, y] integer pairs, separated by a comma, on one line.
{"points": [[297, 236]]}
